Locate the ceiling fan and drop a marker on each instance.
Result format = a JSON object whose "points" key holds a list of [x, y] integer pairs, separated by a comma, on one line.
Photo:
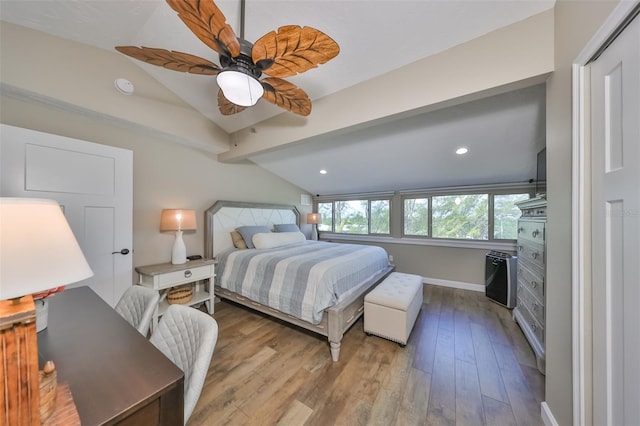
{"points": [[289, 51]]}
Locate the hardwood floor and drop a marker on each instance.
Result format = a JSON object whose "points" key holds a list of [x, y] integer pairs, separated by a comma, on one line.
{"points": [[466, 363]]}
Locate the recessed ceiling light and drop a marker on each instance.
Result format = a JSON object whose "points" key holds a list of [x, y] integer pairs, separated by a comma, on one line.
{"points": [[323, 172], [461, 151]]}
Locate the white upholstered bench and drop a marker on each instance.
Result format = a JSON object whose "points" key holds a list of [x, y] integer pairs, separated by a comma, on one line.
{"points": [[391, 309]]}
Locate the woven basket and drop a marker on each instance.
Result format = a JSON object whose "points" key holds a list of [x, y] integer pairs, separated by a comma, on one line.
{"points": [[180, 295]]}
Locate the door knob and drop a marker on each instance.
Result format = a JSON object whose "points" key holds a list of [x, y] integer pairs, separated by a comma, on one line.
{"points": [[124, 251]]}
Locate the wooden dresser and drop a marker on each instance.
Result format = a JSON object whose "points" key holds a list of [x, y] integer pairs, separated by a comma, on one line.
{"points": [[529, 312]]}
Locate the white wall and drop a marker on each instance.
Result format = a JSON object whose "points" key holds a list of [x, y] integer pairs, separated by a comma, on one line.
{"points": [[165, 175], [82, 77], [575, 24]]}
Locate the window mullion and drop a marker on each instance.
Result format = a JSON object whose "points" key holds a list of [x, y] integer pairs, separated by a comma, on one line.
{"points": [[491, 217], [430, 220]]}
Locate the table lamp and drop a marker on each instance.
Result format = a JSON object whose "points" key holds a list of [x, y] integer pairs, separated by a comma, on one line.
{"points": [[178, 220], [38, 252], [314, 219]]}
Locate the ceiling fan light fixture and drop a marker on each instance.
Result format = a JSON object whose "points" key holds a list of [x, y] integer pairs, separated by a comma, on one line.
{"points": [[289, 51], [240, 88]]}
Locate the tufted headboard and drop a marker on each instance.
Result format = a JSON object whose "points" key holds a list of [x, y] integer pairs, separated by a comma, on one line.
{"points": [[225, 216]]}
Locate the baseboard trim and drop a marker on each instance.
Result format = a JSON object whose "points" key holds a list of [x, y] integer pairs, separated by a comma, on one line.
{"points": [[547, 416], [454, 284]]}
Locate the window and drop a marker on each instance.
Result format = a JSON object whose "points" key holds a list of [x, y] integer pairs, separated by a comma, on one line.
{"points": [[481, 216], [326, 214], [362, 216], [379, 216], [351, 217], [506, 215], [478, 213], [461, 216], [416, 216]]}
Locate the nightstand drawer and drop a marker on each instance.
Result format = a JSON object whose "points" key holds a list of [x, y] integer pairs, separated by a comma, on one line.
{"points": [[185, 276]]}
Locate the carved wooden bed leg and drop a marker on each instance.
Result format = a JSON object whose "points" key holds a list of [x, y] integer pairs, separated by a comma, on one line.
{"points": [[335, 350]]}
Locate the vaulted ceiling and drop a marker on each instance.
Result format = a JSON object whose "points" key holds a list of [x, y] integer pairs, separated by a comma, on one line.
{"points": [[502, 132]]}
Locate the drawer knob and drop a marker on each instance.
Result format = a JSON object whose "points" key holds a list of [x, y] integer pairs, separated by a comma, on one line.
{"points": [[535, 233], [187, 273], [520, 229], [534, 284], [535, 254]]}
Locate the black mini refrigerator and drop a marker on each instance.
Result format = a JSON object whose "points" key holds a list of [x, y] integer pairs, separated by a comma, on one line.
{"points": [[501, 278]]}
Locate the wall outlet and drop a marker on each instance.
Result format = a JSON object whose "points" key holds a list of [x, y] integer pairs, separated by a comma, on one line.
{"points": [[390, 258]]}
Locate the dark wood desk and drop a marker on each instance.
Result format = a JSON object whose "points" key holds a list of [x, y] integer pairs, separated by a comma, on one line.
{"points": [[115, 375]]}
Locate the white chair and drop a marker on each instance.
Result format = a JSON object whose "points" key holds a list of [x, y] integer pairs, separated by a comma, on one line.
{"points": [[187, 337], [137, 305]]}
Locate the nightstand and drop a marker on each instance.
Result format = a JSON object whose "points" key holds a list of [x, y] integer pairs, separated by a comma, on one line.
{"points": [[163, 276]]}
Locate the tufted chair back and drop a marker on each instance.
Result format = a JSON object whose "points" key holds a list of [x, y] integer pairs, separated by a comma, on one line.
{"points": [[137, 305], [187, 337]]}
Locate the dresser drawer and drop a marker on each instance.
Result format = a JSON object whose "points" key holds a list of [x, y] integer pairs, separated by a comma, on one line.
{"points": [[533, 305], [531, 231], [184, 276], [532, 255], [539, 211], [536, 328], [533, 281]]}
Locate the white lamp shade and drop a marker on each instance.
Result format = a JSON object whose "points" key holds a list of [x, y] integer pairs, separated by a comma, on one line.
{"points": [[178, 220], [240, 88], [313, 218], [38, 250]]}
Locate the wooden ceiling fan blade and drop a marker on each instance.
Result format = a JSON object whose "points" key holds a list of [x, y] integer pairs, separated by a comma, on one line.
{"points": [[227, 107], [173, 60], [286, 95], [209, 24], [293, 50]]}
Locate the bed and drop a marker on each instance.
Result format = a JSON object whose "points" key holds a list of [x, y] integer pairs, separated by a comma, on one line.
{"points": [[316, 285]]}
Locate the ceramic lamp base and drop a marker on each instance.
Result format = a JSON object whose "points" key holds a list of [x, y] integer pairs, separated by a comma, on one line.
{"points": [[179, 252]]}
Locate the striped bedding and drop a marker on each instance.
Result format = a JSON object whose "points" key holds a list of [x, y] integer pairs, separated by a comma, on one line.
{"points": [[301, 279]]}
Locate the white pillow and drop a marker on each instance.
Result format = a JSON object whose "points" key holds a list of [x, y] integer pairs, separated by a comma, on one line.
{"points": [[266, 240]]}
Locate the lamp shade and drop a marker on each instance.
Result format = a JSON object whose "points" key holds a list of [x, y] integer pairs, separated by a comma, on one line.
{"points": [[240, 88], [314, 218], [38, 250], [178, 220]]}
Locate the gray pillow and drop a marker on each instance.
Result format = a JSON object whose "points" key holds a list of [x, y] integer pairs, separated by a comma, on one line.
{"points": [[286, 227], [248, 232]]}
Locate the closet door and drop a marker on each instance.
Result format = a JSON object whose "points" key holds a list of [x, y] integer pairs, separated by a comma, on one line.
{"points": [[94, 185], [615, 108]]}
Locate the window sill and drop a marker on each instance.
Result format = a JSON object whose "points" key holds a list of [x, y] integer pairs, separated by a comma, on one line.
{"points": [[482, 245]]}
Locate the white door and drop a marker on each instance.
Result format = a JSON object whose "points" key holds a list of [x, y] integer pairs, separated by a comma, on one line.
{"points": [[615, 112], [94, 185]]}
